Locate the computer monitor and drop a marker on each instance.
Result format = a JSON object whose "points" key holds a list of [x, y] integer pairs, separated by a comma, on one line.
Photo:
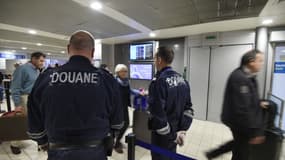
{"points": [[139, 71], [141, 51]]}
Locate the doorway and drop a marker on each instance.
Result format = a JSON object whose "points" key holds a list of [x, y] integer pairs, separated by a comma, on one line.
{"points": [[209, 70]]}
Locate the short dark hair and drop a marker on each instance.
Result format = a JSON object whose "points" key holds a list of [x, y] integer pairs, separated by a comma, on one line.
{"points": [[249, 56], [37, 55], [166, 54]]}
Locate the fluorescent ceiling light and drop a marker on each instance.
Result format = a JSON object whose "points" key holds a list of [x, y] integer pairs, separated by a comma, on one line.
{"points": [[24, 48], [48, 53], [32, 32], [176, 46], [62, 52], [39, 44], [267, 21], [96, 6], [152, 34]]}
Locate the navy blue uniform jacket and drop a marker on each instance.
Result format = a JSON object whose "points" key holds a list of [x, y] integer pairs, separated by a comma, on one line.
{"points": [[75, 102], [241, 107], [169, 103]]}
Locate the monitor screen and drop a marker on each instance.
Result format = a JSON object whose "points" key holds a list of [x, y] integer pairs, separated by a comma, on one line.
{"points": [[143, 51], [141, 71]]}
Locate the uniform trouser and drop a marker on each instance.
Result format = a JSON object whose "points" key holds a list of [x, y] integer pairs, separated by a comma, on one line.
{"points": [[241, 147], [97, 153], [23, 103], [125, 127], [163, 142]]}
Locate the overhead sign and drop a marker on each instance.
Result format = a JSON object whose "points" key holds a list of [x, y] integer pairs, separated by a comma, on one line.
{"points": [[12, 56], [279, 67]]}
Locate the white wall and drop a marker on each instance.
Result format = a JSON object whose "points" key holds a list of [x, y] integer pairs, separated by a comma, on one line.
{"points": [[223, 38], [199, 79], [108, 56], [277, 36], [200, 69]]}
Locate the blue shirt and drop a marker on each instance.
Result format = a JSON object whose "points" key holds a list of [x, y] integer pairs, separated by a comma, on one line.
{"points": [[23, 81]]}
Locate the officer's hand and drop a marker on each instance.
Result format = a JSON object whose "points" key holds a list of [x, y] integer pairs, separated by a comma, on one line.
{"points": [[180, 138], [142, 94], [264, 104], [19, 110], [257, 140]]}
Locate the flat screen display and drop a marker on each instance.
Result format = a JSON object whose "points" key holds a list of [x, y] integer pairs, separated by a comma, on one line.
{"points": [[141, 71], [143, 51]]}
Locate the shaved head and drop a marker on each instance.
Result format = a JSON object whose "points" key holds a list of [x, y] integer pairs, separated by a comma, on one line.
{"points": [[82, 40], [81, 43]]}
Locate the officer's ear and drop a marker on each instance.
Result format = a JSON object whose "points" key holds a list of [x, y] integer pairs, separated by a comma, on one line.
{"points": [[68, 46], [159, 60], [251, 63], [92, 53]]}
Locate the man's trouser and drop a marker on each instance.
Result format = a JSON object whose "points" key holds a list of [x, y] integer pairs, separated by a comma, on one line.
{"points": [[125, 127], [78, 154], [241, 147], [24, 102], [164, 142]]}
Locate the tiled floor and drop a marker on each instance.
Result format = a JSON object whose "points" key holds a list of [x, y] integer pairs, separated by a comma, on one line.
{"points": [[201, 137]]}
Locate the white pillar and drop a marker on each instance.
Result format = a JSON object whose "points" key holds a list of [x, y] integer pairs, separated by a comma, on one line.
{"points": [[261, 43]]}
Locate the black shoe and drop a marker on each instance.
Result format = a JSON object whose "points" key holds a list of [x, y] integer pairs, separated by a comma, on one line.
{"points": [[15, 150], [119, 147], [209, 155]]}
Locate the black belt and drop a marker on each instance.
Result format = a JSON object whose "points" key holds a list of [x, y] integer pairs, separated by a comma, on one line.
{"points": [[70, 146]]}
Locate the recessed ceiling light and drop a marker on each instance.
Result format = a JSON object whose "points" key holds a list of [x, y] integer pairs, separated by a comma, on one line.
{"points": [[48, 53], [267, 21], [24, 48], [96, 6], [62, 52], [152, 34], [176, 46], [39, 44], [32, 32]]}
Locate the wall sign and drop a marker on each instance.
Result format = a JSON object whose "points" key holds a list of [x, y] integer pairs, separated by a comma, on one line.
{"points": [[279, 67]]}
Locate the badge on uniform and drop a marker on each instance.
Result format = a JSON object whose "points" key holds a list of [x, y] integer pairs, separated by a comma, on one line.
{"points": [[244, 89]]}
